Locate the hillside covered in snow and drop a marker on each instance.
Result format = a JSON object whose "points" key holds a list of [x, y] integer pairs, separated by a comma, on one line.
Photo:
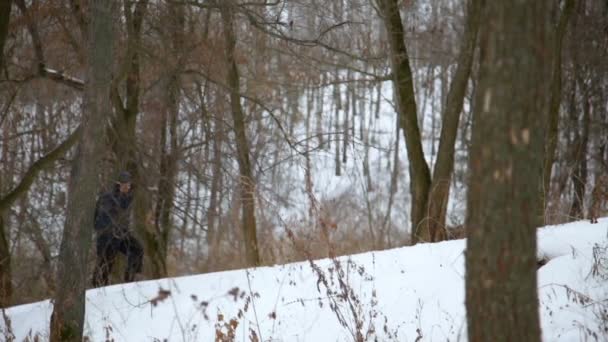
{"points": [[404, 294]]}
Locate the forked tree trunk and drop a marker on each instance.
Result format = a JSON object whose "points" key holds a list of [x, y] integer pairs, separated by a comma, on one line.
{"points": [[503, 206], [248, 223], [434, 225], [67, 320], [420, 176]]}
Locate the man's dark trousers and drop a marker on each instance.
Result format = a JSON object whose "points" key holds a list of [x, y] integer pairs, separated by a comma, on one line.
{"points": [[108, 246]]}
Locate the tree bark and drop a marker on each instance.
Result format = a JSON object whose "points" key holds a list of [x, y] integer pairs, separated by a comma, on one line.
{"points": [[5, 15], [170, 150], [434, 225], [248, 224], [507, 154], [69, 306], [420, 177]]}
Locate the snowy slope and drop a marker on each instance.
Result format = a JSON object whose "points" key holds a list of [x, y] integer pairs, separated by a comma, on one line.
{"points": [[398, 294]]}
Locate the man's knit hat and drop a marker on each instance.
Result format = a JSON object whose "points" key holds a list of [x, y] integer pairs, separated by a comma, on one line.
{"points": [[124, 177]]}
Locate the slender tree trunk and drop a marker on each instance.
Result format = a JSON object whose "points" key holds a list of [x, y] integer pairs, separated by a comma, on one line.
{"points": [[213, 209], [386, 223], [581, 142], [420, 177], [125, 142], [337, 101], [170, 149], [35, 233], [308, 183], [503, 206], [5, 15], [364, 132], [124, 139], [434, 226], [6, 288], [248, 224], [556, 95], [67, 320], [319, 92], [346, 120]]}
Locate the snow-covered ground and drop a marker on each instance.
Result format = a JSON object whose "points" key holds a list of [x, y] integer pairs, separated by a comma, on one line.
{"points": [[398, 294]]}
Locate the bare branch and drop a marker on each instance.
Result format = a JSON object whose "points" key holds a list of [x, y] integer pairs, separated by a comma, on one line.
{"points": [[59, 77], [38, 166]]}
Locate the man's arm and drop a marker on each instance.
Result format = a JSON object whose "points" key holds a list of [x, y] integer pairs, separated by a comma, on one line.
{"points": [[103, 218]]}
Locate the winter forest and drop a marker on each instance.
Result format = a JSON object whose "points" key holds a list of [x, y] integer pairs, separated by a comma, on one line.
{"points": [[265, 132]]}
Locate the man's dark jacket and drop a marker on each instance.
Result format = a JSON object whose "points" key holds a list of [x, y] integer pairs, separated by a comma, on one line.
{"points": [[112, 212]]}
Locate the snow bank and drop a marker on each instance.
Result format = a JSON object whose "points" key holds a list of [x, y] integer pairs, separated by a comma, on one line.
{"points": [[397, 294]]}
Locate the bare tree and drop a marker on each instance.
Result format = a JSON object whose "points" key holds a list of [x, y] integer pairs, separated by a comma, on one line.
{"points": [[434, 225], [420, 175], [67, 320], [429, 196], [247, 185]]}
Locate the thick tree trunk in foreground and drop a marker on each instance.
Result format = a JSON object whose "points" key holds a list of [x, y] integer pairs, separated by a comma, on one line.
{"points": [[504, 207], [69, 307], [248, 224], [420, 175]]}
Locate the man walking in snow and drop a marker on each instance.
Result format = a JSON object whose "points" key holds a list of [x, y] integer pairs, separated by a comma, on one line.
{"points": [[112, 220]]}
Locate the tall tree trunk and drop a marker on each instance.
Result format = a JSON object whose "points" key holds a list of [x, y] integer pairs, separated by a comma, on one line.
{"points": [[170, 149], [507, 154], [6, 288], [556, 95], [168, 173], [124, 139], [420, 177], [214, 203], [434, 226], [248, 224], [581, 141], [386, 222], [308, 183], [5, 15], [124, 142], [67, 320], [319, 94], [337, 101]]}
